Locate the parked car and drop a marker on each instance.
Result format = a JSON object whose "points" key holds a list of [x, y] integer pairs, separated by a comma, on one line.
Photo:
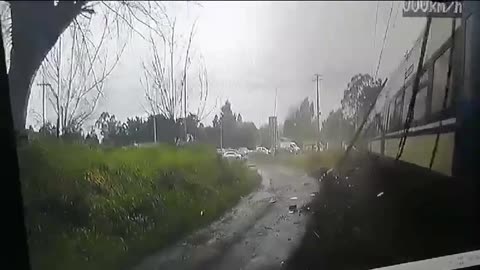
{"points": [[263, 150], [243, 151], [232, 155], [290, 147]]}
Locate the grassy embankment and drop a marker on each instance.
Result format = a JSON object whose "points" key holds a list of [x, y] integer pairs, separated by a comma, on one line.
{"points": [[92, 208]]}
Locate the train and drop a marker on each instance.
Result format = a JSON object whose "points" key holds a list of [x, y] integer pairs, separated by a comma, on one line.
{"points": [[431, 118]]}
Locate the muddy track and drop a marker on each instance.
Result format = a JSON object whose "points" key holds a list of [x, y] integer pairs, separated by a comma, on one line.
{"points": [[258, 233]]}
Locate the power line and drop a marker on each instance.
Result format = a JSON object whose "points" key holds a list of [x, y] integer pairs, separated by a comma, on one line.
{"points": [[396, 14], [375, 28], [275, 104], [359, 130], [318, 77], [384, 41]]}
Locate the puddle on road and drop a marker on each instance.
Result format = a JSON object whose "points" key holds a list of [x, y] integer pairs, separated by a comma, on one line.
{"points": [[262, 195]]}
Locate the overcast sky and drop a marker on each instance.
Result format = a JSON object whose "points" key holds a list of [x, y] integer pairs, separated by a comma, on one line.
{"points": [[252, 48]]}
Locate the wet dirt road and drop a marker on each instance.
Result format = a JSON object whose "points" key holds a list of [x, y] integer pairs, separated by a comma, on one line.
{"points": [[258, 233]]}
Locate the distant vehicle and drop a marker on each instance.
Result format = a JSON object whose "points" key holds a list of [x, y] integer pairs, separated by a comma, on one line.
{"points": [[232, 155], [243, 151], [219, 151], [290, 147], [263, 150]]}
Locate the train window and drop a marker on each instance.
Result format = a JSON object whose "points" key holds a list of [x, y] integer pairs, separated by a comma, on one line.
{"points": [[391, 119], [397, 118], [439, 82], [380, 119], [387, 118], [424, 78], [420, 104], [406, 103]]}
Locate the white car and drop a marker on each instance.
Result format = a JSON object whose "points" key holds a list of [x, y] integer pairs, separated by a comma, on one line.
{"points": [[263, 150], [232, 155], [243, 151]]}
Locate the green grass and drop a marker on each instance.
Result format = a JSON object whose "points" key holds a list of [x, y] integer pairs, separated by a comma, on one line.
{"points": [[93, 208]]}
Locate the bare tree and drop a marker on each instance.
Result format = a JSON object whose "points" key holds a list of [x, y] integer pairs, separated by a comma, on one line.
{"points": [[32, 28], [32, 34], [6, 20], [203, 92], [76, 70], [166, 81]]}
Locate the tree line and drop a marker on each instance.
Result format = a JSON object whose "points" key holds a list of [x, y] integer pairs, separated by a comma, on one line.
{"points": [[227, 130], [341, 123]]}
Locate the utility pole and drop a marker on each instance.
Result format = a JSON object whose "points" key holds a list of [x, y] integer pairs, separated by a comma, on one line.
{"points": [[43, 100], [275, 129], [59, 55], [43, 105], [275, 104], [221, 134], [318, 77], [185, 107], [155, 119]]}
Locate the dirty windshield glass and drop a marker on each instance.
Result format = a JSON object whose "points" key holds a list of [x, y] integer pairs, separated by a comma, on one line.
{"points": [[243, 135]]}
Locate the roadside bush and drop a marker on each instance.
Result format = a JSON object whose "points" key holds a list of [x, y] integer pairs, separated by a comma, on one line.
{"points": [[88, 208]]}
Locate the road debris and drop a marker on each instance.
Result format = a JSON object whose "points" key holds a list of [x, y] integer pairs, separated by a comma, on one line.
{"points": [[380, 194], [293, 198]]}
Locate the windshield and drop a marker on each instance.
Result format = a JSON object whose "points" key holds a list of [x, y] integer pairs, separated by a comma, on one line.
{"points": [[135, 120]]}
